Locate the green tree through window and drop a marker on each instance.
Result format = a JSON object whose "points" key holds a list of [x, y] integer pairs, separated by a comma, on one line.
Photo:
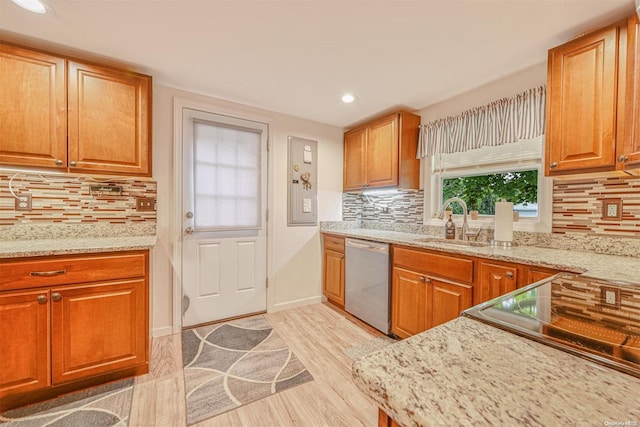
{"points": [[483, 191]]}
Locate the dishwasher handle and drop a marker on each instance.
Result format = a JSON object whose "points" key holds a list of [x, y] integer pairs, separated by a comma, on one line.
{"points": [[380, 248]]}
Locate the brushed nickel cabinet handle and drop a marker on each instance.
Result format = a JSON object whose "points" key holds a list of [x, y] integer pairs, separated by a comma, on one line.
{"points": [[47, 273], [509, 275], [422, 278], [623, 158], [56, 296], [42, 299], [58, 162], [553, 165], [73, 163]]}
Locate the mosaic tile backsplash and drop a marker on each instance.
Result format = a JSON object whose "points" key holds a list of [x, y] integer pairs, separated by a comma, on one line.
{"points": [[403, 207], [577, 206], [65, 200]]}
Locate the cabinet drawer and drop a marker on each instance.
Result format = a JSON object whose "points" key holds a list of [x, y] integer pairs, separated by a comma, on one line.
{"points": [[446, 266], [58, 270], [334, 243]]}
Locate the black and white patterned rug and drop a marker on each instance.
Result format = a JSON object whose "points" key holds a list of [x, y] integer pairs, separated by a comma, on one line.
{"points": [[231, 364], [107, 405]]}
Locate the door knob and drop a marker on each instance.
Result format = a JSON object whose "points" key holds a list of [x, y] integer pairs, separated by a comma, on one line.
{"points": [[188, 230], [189, 215]]}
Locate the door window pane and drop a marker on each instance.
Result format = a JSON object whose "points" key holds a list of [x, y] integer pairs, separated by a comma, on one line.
{"points": [[227, 193]]}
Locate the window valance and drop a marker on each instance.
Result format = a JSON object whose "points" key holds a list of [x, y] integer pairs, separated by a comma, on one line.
{"points": [[500, 122]]}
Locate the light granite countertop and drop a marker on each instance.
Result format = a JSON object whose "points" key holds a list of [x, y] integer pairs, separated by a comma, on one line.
{"points": [[62, 246], [609, 267], [467, 373]]}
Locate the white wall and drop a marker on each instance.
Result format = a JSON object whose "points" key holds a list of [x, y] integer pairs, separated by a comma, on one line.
{"points": [[294, 264]]}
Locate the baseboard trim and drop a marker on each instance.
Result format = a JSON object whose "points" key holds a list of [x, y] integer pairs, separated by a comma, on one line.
{"points": [[161, 331], [296, 303]]}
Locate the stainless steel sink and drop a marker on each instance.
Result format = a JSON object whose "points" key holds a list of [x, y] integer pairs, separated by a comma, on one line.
{"points": [[453, 242]]}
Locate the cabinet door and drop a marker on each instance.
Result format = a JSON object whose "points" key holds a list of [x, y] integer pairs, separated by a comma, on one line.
{"points": [[449, 300], [409, 296], [334, 276], [109, 120], [355, 147], [535, 274], [382, 153], [495, 280], [98, 328], [24, 341], [581, 103], [630, 151], [33, 103]]}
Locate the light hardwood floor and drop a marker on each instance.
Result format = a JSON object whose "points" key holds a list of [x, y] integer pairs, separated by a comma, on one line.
{"points": [[317, 334]]}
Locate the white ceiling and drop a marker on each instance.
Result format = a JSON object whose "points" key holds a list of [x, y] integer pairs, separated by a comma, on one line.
{"points": [[299, 57]]}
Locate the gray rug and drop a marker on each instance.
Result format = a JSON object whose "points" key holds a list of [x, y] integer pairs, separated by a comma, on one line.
{"points": [[234, 363], [107, 405], [357, 351]]}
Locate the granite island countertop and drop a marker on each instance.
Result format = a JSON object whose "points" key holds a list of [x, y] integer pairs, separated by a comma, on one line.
{"points": [[609, 267], [63, 246], [467, 373]]}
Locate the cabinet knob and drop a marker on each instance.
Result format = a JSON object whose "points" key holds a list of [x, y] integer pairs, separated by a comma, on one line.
{"points": [[42, 299], [59, 162], [553, 165], [509, 275], [623, 158], [73, 163], [56, 296]]}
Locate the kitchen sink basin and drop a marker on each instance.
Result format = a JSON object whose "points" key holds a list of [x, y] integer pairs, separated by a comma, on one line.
{"points": [[454, 242]]}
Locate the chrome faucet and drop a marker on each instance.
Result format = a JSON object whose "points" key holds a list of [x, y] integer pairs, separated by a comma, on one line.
{"points": [[465, 225]]}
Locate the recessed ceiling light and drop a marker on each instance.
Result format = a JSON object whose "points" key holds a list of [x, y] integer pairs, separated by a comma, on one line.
{"points": [[348, 98], [35, 6]]}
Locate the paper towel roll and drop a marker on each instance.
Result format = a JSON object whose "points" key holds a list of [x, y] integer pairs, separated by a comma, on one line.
{"points": [[503, 228]]}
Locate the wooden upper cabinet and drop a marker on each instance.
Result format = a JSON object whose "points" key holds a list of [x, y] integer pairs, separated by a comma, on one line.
{"points": [[24, 334], [33, 102], [355, 146], [382, 153], [108, 120], [59, 113], [629, 158], [582, 103]]}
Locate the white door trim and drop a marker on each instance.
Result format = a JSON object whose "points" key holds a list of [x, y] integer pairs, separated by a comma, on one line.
{"points": [[179, 104]]}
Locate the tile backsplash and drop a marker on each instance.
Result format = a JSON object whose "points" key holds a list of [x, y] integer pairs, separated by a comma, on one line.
{"points": [[403, 207], [577, 206], [68, 200]]}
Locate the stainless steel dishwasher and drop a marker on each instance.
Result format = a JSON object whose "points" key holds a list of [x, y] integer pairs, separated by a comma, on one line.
{"points": [[367, 290]]}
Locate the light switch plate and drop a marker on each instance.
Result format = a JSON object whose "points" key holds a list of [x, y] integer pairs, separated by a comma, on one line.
{"points": [[610, 297], [612, 209]]}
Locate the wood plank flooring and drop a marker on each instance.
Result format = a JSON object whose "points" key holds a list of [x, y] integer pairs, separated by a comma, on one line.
{"points": [[317, 334]]}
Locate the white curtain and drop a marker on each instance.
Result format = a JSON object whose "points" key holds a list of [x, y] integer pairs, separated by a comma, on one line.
{"points": [[500, 122]]}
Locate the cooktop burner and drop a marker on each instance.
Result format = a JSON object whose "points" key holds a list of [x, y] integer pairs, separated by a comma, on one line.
{"points": [[592, 318]]}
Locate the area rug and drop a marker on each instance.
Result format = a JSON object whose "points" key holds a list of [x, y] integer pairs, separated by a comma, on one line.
{"points": [[107, 405], [234, 363], [355, 352]]}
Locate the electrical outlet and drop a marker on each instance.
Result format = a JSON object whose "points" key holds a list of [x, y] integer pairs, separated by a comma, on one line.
{"points": [[145, 204], [23, 202]]}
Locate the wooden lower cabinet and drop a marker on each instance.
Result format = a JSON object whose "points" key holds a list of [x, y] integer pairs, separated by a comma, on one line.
{"points": [[60, 338], [385, 420], [409, 309], [333, 269], [535, 274], [24, 341], [495, 279], [98, 329], [449, 300]]}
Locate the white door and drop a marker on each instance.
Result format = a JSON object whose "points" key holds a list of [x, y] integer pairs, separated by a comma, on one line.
{"points": [[224, 233]]}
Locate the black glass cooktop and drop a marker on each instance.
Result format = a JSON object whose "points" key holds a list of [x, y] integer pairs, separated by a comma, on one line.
{"points": [[592, 318]]}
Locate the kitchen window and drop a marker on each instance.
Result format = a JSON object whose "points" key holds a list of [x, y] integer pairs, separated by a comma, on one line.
{"points": [[483, 176]]}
